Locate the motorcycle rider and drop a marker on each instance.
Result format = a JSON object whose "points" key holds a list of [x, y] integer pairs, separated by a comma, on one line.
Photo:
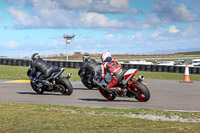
{"points": [[113, 67], [39, 65], [91, 66]]}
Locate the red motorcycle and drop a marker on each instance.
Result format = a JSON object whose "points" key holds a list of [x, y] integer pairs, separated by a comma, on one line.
{"points": [[129, 86]]}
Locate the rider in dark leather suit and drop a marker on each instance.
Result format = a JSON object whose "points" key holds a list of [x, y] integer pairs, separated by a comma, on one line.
{"points": [[39, 65], [89, 65]]}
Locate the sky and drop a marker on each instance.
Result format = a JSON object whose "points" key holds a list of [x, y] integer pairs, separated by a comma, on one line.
{"points": [[117, 26]]}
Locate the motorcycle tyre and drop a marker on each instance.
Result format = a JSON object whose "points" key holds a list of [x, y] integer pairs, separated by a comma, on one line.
{"points": [[36, 89], [86, 84], [67, 85], [141, 90], [106, 94]]}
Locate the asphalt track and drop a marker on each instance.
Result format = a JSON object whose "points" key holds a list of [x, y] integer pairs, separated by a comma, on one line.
{"points": [[165, 95]]}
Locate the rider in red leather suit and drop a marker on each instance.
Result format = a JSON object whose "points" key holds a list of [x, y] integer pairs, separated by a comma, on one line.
{"points": [[111, 66]]}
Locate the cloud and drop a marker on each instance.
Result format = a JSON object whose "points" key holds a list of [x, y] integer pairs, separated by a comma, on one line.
{"points": [[109, 36], [99, 6], [72, 14], [191, 32], [22, 18], [168, 12], [136, 35], [98, 20], [194, 4], [63, 14], [154, 42], [173, 29], [59, 18], [10, 44]]}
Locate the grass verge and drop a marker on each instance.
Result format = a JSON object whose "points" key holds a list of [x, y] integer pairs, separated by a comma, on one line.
{"points": [[19, 72], [21, 117]]}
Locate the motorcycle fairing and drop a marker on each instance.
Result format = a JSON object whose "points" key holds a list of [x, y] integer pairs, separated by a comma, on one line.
{"points": [[56, 74], [129, 74]]}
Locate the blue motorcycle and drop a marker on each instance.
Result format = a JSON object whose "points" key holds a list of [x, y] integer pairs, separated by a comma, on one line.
{"points": [[55, 83]]}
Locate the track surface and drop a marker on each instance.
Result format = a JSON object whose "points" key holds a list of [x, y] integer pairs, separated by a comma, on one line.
{"points": [[167, 95]]}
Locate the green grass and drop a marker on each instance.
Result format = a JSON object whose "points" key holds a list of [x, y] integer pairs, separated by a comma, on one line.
{"points": [[13, 72], [19, 72], [20, 117], [167, 76], [190, 53]]}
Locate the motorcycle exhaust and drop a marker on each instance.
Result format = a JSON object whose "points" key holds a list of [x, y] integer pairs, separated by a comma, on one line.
{"points": [[140, 78], [68, 76]]}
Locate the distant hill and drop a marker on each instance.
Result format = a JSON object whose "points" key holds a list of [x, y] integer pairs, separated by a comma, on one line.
{"points": [[190, 53]]}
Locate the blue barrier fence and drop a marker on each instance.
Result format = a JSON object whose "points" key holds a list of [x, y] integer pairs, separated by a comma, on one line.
{"points": [[77, 64]]}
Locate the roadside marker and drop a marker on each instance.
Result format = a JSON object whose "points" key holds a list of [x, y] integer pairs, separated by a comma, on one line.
{"points": [[17, 81], [186, 75]]}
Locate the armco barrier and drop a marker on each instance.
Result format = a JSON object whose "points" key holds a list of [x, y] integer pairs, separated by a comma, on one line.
{"points": [[77, 64]]}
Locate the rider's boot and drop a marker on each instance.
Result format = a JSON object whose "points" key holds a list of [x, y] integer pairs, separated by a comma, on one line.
{"points": [[117, 89], [123, 91], [39, 85], [50, 85]]}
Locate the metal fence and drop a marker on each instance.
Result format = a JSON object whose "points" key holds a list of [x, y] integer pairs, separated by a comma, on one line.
{"points": [[77, 64]]}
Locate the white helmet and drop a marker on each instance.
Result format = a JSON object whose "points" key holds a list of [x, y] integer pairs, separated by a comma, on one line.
{"points": [[105, 55]]}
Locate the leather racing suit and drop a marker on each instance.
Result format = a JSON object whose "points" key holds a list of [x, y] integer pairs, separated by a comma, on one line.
{"points": [[45, 68], [92, 67], [115, 70]]}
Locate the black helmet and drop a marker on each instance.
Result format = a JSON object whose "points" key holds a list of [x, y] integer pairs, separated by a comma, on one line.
{"points": [[86, 58], [35, 56]]}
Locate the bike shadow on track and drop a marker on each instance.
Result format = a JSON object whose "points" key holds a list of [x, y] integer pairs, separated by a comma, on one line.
{"points": [[84, 89], [105, 100], [32, 93]]}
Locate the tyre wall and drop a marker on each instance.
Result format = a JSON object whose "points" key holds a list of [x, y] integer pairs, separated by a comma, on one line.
{"points": [[77, 64]]}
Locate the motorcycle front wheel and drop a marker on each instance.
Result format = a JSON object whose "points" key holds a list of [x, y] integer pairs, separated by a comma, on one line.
{"points": [[86, 84], [106, 94], [36, 89], [66, 85], [143, 94]]}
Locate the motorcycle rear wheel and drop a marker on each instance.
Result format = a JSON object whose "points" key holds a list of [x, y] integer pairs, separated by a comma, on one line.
{"points": [[143, 93], [106, 94], [66, 85], [36, 89]]}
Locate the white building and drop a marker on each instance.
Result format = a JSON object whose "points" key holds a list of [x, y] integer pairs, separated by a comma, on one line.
{"points": [[141, 62]]}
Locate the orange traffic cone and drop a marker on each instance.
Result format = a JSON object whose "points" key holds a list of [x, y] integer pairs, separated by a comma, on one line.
{"points": [[186, 75]]}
